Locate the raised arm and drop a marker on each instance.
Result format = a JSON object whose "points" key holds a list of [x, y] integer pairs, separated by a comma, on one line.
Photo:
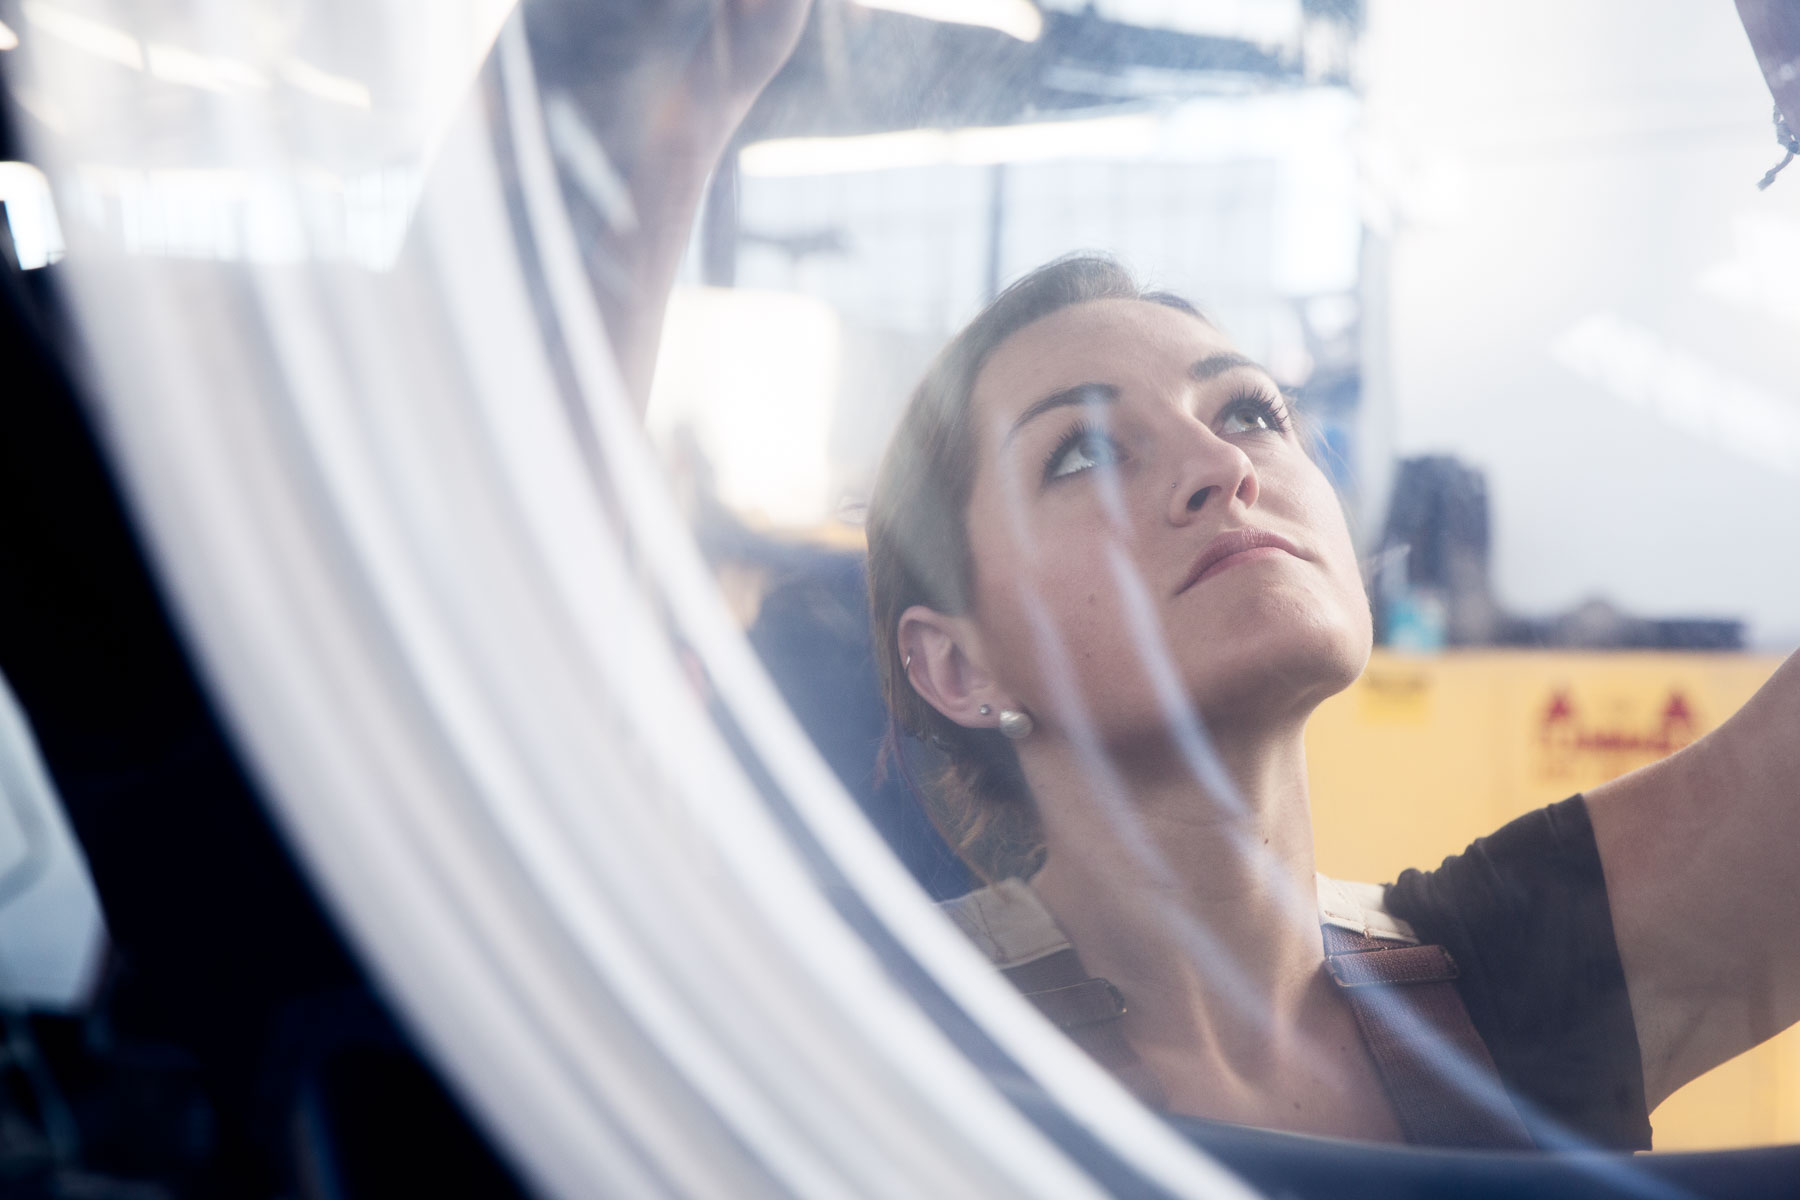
{"points": [[1702, 850], [664, 86], [1702, 859]]}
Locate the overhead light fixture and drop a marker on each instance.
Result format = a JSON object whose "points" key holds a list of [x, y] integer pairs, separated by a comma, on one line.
{"points": [[85, 34], [1015, 18], [1692, 395], [8, 39], [211, 72], [1124, 135], [338, 89]]}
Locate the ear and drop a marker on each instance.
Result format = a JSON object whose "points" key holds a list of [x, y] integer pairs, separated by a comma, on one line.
{"points": [[946, 667]]}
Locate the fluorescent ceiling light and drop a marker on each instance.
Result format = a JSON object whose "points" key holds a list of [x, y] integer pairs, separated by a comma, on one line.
{"points": [[1759, 275], [1100, 137], [176, 64], [338, 89], [1691, 394], [234, 214], [1016, 18], [84, 33], [8, 39]]}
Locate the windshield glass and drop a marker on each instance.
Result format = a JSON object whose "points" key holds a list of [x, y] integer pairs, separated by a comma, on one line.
{"points": [[1277, 514]]}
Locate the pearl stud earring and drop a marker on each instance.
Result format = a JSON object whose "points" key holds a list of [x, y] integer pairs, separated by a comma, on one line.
{"points": [[1016, 723]]}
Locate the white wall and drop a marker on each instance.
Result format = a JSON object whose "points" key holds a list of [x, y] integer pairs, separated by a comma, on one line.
{"points": [[1587, 296]]}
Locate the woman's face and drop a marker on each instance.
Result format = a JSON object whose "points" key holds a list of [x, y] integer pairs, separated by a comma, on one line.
{"points": [[1147, 530]]}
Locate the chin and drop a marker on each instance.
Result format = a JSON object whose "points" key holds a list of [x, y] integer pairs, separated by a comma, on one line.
{"points": [[1286, 671]]}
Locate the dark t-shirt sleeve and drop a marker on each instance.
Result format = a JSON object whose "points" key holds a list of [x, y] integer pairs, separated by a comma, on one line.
{"points": [[1524, 913]]}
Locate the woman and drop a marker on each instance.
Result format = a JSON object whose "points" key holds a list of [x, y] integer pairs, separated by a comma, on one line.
{"points": [[1098, 531]]}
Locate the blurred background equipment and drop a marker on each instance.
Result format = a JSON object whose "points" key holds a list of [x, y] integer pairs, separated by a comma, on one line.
{"points": [[1434, 588]]}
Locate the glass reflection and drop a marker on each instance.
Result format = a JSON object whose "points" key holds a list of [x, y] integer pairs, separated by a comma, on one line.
{"points": [[1415, 452]]}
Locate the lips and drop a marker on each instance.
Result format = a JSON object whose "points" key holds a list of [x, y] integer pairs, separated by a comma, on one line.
{"points": [[1229, 544]]}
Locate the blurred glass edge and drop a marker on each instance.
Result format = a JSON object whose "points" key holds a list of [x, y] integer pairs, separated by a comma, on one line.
{"points": [[444, 659]]}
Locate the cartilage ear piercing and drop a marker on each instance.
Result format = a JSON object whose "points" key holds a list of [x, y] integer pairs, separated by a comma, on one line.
{"points": [[1016, 723], [906, 663]]}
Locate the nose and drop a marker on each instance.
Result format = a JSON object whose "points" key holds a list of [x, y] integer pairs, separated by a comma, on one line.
{"points": [[1212, 473]]}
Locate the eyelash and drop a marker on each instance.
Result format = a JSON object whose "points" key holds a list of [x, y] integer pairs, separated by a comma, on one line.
{"points": [[1262, 404], [1252, 401], [1083, 431]]}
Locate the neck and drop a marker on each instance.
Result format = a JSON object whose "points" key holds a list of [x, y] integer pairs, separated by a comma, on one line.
{"points": [[1200, 907]]}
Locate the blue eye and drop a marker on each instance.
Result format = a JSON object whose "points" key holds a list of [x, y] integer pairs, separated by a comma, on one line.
{"points": [[1082, 450]]}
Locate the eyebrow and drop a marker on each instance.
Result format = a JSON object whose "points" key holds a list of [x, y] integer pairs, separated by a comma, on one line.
{"points": [[1210, 367], [1217, 364], [1081, 393]]}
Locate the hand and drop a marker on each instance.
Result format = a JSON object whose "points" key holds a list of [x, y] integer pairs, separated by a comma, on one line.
{"points": [[663, 80], [747, 42]]}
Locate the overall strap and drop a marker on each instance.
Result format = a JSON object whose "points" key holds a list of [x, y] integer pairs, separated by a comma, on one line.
{"points": [[1438, 1073], [1087, 1009]]}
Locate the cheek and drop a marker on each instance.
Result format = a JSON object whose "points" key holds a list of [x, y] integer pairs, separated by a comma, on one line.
{"points": [[1056, 603], [1300, 493], [1053, 621], [1348, 599], [1338, 548]]}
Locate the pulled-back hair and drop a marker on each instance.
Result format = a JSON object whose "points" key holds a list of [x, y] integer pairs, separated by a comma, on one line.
{"points": [[919, 554]]}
